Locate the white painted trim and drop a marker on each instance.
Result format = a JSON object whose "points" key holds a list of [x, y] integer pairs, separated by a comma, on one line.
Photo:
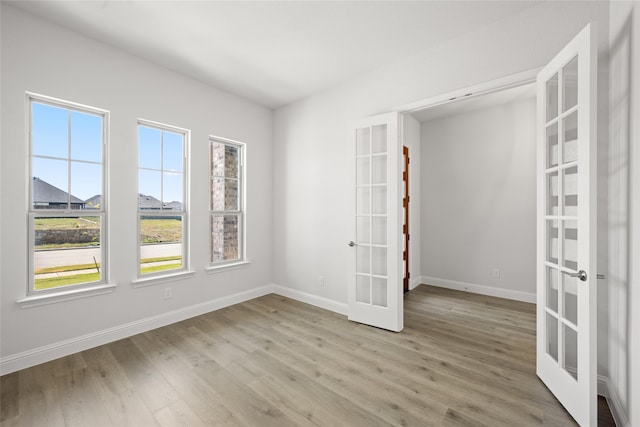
{"points": [[315, 300], [414, 283], [65, 295], [163, 278], [480, 289], [53, 351], [606, 389], [506, 82]]}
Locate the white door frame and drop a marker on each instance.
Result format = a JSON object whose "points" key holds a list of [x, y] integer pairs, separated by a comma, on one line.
{"points": [[496, 85]]}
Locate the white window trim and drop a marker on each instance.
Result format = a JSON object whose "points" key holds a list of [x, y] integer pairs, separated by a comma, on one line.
{"points": [[164, 276], [243, 260], [63, 293]]}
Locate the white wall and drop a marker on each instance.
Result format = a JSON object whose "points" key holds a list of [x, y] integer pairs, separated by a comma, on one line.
{"points": [[624, 211], [479, 200], [44, 58]]}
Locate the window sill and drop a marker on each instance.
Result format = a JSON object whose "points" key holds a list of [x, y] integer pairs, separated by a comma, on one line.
{"points": [[68, 295], [153, 280], [226, 267]]}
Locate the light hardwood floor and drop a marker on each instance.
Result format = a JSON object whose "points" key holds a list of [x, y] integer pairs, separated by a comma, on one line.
{"points": [[462, 360]]}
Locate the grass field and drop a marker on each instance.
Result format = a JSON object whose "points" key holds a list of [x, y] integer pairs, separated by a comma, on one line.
{"points": [[167, 230], [152, 230], [85, 222]]}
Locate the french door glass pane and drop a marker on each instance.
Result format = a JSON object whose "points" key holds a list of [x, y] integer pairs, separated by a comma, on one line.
{"points": [[363, 289], [570, 245], [379, 261], [363, 171], [552, 241], [379, 200], [552, 145], [552, 289], [363, 259], [379, 230], [379, 139], [552, 98], [570, 298], [552, 336], [570, 185], [552, 193], [570, 351], [363, 229], [570, 145], [570, 84], [363, 201], [379, 291], [379, 169]]}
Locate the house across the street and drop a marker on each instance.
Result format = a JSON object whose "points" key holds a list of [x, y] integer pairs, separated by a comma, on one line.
{"points": [[47, 196]]}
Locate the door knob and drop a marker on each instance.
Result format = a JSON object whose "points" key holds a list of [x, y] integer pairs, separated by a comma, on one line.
{"points": [[352, 243], [582, 275]]}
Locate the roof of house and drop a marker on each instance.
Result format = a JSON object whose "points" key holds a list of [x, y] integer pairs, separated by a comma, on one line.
{"points": [[43, 192], [148, 202], [95, 200]]}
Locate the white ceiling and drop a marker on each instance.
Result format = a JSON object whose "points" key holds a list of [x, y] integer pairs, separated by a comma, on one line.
{"points": [[466, 105], [273, 52]]}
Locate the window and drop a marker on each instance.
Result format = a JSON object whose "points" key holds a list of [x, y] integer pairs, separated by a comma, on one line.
{"points": [[162, 208], [226, 205], [67, 210]]}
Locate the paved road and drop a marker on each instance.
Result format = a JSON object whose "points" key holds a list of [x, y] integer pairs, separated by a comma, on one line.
{"points": [[55, 258]]}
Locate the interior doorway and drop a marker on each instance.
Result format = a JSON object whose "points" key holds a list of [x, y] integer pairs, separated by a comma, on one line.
{"points": [[477, 196]]}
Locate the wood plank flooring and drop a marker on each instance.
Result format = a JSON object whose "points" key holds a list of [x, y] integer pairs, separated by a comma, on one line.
{"points": [[462, 360]]}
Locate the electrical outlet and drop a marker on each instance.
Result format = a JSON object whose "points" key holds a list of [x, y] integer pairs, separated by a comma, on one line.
{"points": [[321, 281], [167, 293], [495, 272]]}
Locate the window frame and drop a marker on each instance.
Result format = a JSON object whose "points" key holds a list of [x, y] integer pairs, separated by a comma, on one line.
{"points": [[241, 211], [145, 278], [33, 213]]}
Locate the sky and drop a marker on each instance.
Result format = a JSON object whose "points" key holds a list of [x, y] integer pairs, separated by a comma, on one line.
{"points": [[69, 143]]}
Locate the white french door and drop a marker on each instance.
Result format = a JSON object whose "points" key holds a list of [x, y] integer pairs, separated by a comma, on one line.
{"points": [[375, 282], [566, 256]]}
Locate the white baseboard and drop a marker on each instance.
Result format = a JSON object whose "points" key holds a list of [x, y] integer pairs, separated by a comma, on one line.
{"points": [[64, 348], [413, 283], [606, 389], [480, 289], [322, 302]]}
